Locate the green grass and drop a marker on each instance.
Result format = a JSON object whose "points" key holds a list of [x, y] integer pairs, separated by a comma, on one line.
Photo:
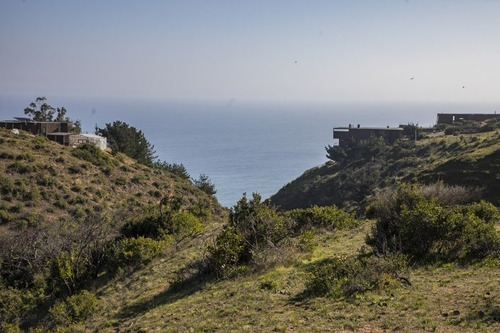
{"points": [[154, 300]]}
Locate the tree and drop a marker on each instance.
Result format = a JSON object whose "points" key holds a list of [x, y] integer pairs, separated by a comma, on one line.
{"points": [[128, 140], [205, 184], [176, 169], [39, 110], [335, 153]]}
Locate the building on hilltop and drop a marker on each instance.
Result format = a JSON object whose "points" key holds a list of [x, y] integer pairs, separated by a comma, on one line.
{"points": [[77, 139], [57, 131], [36, 127], [450, 118], [344, 136]]}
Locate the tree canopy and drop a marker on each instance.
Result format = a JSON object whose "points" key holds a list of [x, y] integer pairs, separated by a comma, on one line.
{"points": [[128, 140], [40, 110], [205, 184]]}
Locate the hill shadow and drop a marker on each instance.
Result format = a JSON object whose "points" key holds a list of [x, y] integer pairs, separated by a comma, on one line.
{"points": [[192, 279]]}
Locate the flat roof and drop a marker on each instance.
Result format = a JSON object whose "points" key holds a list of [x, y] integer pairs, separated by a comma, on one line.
{"points": [[28, 120], [60, 133], [23, 119], [482, 114], [88, 135], [369, 128]]}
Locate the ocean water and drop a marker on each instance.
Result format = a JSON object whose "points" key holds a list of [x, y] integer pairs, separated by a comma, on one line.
{"points": [[244, 147]]}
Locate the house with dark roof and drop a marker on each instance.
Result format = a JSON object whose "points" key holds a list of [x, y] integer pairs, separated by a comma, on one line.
{"points": [[450, 118], [344, 136], [57, 131], [36, 127]]}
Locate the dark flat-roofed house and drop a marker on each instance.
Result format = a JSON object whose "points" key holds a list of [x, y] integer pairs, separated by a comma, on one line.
{"points": [[450, 118], [36, 127], [360, 135], [57, 131]]}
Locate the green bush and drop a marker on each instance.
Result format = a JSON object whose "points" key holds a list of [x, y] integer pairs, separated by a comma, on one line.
{"points": [[133, 252], [426, 230], [74, 169], [168, 220], [14, 304], [11, 304], [306, 240], [226, 255], [253, 238], [93, 154], [121, 181], [25, 157], [201, 211], [184, 224], [345, 277], [259, 224], [329, 217], [20, 167], [7, 155], [74, 309], [5, 216]]}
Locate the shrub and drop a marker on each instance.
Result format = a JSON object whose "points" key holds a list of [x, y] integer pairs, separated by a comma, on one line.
{"points": [[7, 186], [5, 217], [46, 181], [6, 155], [258, 223], [347, 276], [20, 167], [184, 224], [93, 154], [25, 157], [121, 181], [74, 309], [329, 217], [74, 169], [426, 230], [165, 221], [225, 256], [133, 252], [11, 304], [253, 237], [306, 240], [201, 211], [270, 285]]}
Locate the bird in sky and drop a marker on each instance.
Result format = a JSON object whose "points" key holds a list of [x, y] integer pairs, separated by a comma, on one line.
{"points": [[412, 78]]}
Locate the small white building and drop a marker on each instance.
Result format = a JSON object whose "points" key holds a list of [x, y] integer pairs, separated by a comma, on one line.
{"points": [[99, 141]]}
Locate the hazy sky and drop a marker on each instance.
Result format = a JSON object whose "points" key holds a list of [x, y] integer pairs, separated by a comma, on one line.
{"points": [[260, 50]]}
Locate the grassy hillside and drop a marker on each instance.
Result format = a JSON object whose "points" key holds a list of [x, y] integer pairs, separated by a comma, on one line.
{"points": [[42, 181], [185, 264], [166, 297], [74, 217], [471, 160]]}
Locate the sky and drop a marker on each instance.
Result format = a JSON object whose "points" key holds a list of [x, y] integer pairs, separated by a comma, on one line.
{"points": [[352, 50]]}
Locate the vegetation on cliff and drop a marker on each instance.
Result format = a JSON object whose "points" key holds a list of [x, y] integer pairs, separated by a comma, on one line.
{"points": [[471, 160]]}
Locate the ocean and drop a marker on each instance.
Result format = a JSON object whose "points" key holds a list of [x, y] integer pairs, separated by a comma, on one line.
{"points": [[243, 146]]}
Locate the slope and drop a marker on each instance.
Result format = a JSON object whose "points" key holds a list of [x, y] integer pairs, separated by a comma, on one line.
{"points": [[467, 159]]}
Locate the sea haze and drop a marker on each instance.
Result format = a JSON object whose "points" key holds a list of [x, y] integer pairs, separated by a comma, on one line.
{"points": [[243, 147]]}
